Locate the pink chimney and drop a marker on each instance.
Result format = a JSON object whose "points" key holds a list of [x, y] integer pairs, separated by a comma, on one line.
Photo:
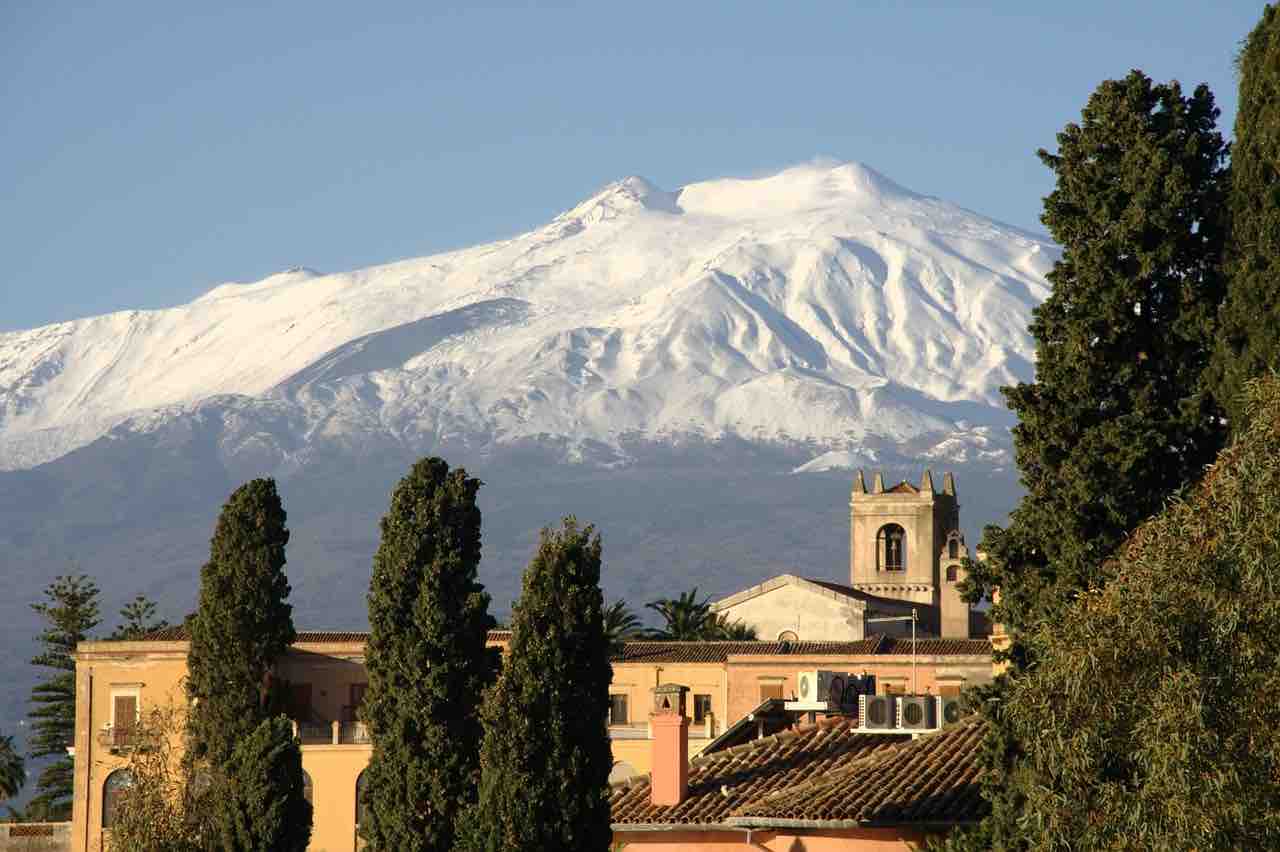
{"points": [[669, 784]]}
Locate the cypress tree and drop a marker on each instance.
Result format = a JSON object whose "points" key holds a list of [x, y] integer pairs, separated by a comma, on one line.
{"points": [[70, 613], [546, 755], [262, 804], [242, 623], [1119, 415], [1249, 344], [427, 661]]}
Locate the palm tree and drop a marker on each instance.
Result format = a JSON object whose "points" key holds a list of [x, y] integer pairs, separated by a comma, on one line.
{"points": [[620, 624], [737, 630], [686, 618], [13, 771]]}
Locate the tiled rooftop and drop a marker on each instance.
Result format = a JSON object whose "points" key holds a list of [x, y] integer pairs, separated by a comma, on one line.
{"points": [[933, 779], [722, 782], [830, 771]]}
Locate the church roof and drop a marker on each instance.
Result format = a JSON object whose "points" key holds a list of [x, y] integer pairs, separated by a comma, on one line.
{"points": [[902, 487]]}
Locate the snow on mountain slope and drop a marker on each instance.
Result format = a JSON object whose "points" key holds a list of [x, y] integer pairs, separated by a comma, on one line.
{"points": [[824, 304]]}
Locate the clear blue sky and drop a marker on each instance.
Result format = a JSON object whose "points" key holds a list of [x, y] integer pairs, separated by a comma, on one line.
{"points": [[150, 150]]}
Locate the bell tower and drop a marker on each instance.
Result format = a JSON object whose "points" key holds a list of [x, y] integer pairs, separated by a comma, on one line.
{"points": [[905, 544]]}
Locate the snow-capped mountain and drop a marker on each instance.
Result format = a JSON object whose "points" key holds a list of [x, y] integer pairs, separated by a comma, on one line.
{"points": [[825, 304]]}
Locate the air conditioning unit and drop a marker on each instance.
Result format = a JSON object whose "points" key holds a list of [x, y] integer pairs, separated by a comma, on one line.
{"points": [[917, 712], [950, 710], [877, 712], [819, 690]]}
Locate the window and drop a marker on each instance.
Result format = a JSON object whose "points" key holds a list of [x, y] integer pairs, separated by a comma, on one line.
{"points": [[351, 713], [299, 703], [306, 788], [895, 689], [949, 690], [951, 573], [362, 804], [788, 636], [953, 548], [891, 548], [770, 690], [112, 789], [124, 717], [617, 709], [701, 707]]}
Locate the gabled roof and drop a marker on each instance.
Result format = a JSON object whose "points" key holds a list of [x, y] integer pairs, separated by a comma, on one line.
{"points": [[830, 772]]}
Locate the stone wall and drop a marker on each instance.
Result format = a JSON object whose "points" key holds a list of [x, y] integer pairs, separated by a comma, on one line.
{"points": [[35, 837]]}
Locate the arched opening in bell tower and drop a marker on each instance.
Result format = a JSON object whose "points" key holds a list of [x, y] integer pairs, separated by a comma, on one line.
{"points": [[891, 548]]}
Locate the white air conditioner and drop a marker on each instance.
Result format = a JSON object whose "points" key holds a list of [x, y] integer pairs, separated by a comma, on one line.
{"points": [[877, 712], [950, 710], [819, 690], [917, 712]]}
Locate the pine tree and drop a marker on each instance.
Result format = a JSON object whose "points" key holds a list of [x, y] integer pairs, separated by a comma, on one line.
{"points": [[262, 805], [1249, 344], [1151, 719], [1119, 415], [427, 661], [70, 614], [139, 619], [242, 623], [13, 771], [546, 756]]}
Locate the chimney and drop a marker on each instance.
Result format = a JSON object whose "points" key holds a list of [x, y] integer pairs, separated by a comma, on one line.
{"points": [[669, 777]]}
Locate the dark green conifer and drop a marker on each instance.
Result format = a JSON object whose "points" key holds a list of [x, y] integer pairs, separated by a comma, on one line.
{"points": [[242, 623], [70, 613], [1119, 415], [1249, 342], [546, 755], [427, 660], [261, 804], [139, 619]]}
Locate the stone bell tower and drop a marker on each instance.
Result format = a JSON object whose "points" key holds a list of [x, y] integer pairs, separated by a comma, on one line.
{"points": [[905, 544]]}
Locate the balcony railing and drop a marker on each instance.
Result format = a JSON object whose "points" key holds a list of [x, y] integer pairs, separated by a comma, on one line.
{"points": [[332, 733], [117, 740]]}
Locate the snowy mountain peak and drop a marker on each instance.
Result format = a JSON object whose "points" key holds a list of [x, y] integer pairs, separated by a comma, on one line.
{"points": [[823, 305], [618, 199]]}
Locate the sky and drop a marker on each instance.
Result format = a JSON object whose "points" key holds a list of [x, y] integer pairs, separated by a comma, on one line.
{"points": [[152, 150]]}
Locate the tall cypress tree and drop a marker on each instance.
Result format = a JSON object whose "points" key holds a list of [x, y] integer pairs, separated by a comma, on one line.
{"points": [[263, 806], [242, 623], [70, 612], [1249, 344], [427, 661], [546, 756], [1119, 415]]}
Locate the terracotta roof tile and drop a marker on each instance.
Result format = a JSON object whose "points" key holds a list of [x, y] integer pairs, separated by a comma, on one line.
{"points": [[179, 633], [722, 782], [933, 779]]}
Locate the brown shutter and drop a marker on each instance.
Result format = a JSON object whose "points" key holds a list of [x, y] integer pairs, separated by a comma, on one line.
{"points": [[770, 690], [126, 712]]}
